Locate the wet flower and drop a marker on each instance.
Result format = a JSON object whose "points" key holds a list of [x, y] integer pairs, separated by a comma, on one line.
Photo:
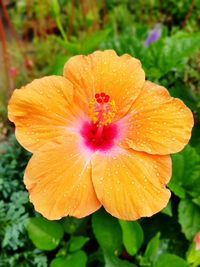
{"points": [[197, 241], [153, 35], [101, 136]]}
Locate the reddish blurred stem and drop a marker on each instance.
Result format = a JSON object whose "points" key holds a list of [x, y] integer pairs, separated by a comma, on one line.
{"points": [[104, 13], [95, 13], [71, 20], [190, 9], [150, 13], [5, 56], [84, 13], [12, 30]]}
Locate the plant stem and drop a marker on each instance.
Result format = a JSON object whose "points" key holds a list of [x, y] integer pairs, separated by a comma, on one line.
{"points": [[5, 57], [12, 30], [190, 9], [60, 27]]}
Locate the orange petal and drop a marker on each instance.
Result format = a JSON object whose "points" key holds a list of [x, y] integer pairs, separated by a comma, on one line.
{"points": [[103, 71], [58, 178], [131, 184], [41, 110], [158, 123]]}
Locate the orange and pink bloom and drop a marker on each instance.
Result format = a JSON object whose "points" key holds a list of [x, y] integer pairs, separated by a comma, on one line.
{"points": [[100, 135]]}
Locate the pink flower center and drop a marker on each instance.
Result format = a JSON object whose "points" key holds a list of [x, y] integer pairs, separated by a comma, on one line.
{"points": [[100, 132], [99, 138]]}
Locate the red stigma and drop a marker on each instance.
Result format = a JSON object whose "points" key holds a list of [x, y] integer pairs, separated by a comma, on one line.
{"points": [[101, 109], [106, 99], [99, 100], [102, 98]]}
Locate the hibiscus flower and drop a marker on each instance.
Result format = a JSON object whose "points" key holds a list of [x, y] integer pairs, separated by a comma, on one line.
{"points": [[100, 136]]}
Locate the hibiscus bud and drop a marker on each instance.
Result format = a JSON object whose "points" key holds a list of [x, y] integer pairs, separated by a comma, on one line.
{"points": [[29, 64], [197, 241], [13, 72]]}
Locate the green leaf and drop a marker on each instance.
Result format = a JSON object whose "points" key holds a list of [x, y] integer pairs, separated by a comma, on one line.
{"points": [[195, 139], [89, 18], [193, 255], [175, 184], [183, 91], [73, 47], [113, 261], [196, 200], [170, 260], [58, 65], [45, 234], [152, 247], [92, 41], [78, 259], [133, 236], [189, 218], [107, 232], [55, 7], [72, 225], [168, 209], [186, 173], [77, 242], [170, 53]]}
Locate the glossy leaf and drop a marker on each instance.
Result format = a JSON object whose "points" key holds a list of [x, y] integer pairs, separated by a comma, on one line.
{"points": [[77, 259], [45, 234], [107, 232], [193, 255], [168, 209], [77, 242], [186, 173], [170, 260], [71, 225], [113, 261], [189, 218], [152, 247], [132, 236]]}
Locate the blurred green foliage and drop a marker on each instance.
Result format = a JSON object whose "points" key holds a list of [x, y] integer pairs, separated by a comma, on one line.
{"points": [[16, 249], [164, 240]]}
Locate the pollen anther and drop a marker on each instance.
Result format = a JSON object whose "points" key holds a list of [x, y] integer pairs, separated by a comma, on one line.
{"points": [[101, 109]]}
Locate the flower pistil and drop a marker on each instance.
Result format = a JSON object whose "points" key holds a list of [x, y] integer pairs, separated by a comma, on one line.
{"points": [[102, 110]]}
